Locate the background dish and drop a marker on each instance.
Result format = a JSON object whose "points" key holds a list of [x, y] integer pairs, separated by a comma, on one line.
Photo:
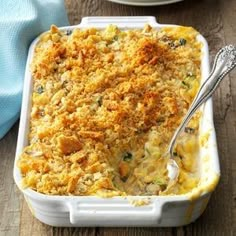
{"points": [[145, 3]]}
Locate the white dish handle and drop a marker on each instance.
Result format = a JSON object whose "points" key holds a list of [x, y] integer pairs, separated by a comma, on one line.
{"points": [[102, 213], [122, 22]]}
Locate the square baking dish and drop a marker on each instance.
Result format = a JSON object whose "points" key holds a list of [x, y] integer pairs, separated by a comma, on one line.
{"points": [[171, 210]]}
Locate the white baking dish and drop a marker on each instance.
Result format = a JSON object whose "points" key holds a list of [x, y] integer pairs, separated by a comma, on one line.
{"points": [[118, 211]]}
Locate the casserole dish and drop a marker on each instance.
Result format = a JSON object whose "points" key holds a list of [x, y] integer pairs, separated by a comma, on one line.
{"points": [[168, 210]]}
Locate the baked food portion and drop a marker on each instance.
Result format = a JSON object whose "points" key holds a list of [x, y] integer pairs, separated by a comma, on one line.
{"points": [[105, 104]]}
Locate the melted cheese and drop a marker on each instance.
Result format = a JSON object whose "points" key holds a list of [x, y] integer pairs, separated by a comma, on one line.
{"points": [[105, 104]]}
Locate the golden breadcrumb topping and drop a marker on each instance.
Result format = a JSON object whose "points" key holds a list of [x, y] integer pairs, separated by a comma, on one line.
{"points": [[105, 104]]}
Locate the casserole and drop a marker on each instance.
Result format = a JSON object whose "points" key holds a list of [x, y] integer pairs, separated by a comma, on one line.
{"points": [[159, 210]]}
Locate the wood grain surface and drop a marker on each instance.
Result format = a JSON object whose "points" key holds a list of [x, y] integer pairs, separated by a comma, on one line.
{"points": [[216, 20]]}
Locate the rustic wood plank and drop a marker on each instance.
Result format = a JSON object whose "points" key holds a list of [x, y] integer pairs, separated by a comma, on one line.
{"points": [[30, 225], [10, 197], [74, 231], [135, 231], [230, 38]]}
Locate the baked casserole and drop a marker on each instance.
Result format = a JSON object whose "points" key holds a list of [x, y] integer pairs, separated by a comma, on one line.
{"points": [[105, 105]]}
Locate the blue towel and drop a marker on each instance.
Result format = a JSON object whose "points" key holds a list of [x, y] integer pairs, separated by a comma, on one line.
{"points": [[20, 23]]}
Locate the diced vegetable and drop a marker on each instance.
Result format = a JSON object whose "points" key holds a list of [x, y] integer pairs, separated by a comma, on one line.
{"points": [[175, 153], [188, 81], [159, 181], [189, 130], [99, 101], [160, 120], [64, 83], [68, 32], [172, 45], [127, 157], [147, 151], [115, 38], [182, 41], [189, 78], [40, 89], [186, 85]]}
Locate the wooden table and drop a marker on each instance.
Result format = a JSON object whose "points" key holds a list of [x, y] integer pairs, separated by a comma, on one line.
{"points": [[216, 20]]}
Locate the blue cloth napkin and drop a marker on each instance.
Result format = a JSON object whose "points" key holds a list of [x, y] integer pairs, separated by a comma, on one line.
{"points": [[20, 23]]}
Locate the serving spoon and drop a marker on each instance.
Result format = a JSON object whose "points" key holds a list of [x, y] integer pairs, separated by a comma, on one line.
{"points": [[225, 61]]}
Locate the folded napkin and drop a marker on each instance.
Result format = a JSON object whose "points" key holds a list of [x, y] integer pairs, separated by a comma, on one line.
{"points": [[20, 23]]}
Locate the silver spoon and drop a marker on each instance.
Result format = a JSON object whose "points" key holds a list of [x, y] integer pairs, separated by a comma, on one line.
{"points": [[224, 62]]}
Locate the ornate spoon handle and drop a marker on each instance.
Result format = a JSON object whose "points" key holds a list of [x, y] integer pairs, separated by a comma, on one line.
{"points": [[224, 62]]}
